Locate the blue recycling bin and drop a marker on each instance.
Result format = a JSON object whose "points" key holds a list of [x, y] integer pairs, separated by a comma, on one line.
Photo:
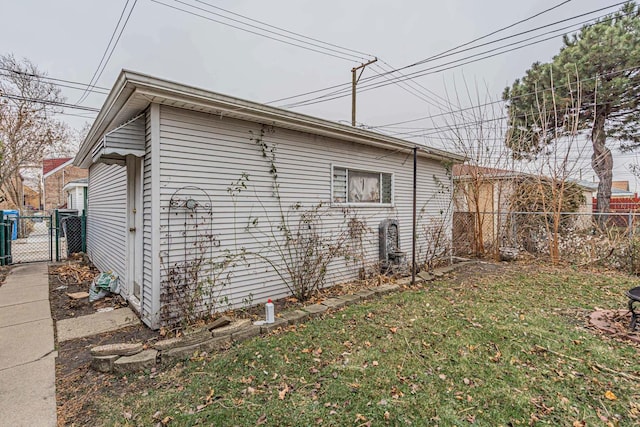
{"points": [[14, 216]]}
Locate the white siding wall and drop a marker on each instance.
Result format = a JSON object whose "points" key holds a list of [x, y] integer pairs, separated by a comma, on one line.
{"points": [[77, 199], [210, 153], [106, 218], [147, 275], [128, 137]]}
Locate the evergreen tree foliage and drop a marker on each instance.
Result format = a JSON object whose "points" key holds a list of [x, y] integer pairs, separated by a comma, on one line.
{"points": [[591, 86]]}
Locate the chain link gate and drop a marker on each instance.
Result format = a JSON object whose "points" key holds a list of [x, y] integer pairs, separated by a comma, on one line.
{"points": [[41, 237], [25, 238]]}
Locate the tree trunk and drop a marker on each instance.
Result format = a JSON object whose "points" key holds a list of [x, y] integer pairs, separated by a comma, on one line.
{"points": [[602, 163]]}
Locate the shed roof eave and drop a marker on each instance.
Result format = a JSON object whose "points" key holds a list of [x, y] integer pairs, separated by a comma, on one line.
{"points": [[132, 84]]}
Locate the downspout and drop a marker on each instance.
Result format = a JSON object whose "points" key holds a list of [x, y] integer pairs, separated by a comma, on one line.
{"points": [[413, 239]]}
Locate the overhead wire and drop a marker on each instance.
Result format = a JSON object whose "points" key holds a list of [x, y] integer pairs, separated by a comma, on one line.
{"points": [[43, 77], [67, 86], [586, 79], [315, 42], [344, 85], [48, 102], [108, 52], [420, 73], [367, 55], [450, 52], [344, 58]]}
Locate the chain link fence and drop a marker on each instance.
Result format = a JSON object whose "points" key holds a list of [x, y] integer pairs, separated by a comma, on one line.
{"points": [[40, 236], [31, 238], [611, 240]]}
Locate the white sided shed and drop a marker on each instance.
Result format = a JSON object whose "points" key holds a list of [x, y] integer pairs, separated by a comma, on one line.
{"points": [[179, 176]]}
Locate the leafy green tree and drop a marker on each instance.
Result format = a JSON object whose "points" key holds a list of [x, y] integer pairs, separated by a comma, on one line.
{"points": [[592, 86]]}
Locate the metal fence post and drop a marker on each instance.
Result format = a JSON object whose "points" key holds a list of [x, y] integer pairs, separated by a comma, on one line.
{"points": [[632, 245], [57, 224], [83, 227], [50, 237], [3, 243]]}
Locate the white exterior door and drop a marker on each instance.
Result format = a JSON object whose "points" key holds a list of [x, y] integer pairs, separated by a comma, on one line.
{"points": [[134, 229]]}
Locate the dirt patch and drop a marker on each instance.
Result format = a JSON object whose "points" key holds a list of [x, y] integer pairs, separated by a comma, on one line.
{"points": [[614, 323], [70, 277], [76, 382]]}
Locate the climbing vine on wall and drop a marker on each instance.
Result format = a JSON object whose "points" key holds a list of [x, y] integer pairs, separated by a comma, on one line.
{"points": [[297, 244]]}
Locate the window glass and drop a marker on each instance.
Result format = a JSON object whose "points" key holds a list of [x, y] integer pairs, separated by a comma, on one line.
{"points": [[356, 186], [364, 187]]}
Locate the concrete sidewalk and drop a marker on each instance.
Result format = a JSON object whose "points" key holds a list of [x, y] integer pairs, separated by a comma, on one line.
{"points": [[27, 353]]}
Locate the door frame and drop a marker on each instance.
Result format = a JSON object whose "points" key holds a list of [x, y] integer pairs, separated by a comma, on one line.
{"points": [[133, 285]]}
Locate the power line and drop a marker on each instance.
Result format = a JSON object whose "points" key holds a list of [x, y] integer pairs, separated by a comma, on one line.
{"points": [[447, 53], [367, 55], [315, 42], [439, 55], [250, 31], [407, 88], [103, 62], [39, 76], [67, 86], [48, 102], [423, 72], [417, 89], [586, 79]]}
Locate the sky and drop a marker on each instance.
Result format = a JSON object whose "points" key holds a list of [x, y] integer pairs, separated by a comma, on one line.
{"points": [[66, 39]]}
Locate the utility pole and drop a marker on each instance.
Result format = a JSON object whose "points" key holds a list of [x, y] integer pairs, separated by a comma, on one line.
{"points": [[354, 82]]}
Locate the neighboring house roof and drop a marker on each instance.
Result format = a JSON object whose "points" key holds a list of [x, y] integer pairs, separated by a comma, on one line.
{"points": [[83, 182], [616, 192], [133, 92], [465, 171], [51, 166], [587, 185]]}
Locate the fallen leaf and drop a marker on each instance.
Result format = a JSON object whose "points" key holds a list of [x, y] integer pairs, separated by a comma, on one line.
{"points": [[262, 419], [393, 330], [374, 363], [166, 420], [282, 393], [127, 415], [442, 377], [579, 424], [609, 395], [387, 415]]}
